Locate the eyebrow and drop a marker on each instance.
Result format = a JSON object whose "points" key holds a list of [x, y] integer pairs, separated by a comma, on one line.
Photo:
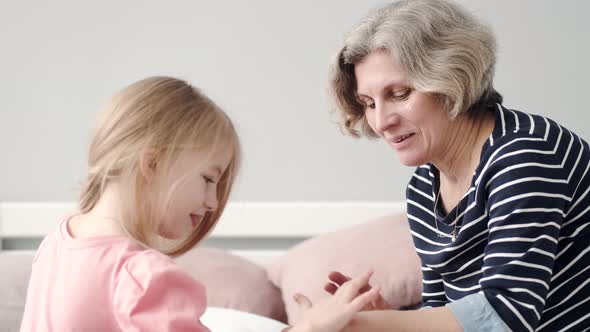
{"points": [[386, 87]]}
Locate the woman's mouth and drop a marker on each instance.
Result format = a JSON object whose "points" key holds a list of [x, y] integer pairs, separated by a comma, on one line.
{"points": [[402, 138]]}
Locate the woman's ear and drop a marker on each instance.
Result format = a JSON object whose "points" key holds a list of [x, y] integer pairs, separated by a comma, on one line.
{"points": [[148, 164]]}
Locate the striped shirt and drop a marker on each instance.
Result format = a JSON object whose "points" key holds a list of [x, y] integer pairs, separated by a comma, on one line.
{"points": [[520, 234]]}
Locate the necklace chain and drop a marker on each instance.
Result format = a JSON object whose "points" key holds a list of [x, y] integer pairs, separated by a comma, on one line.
{"points": [[439, 233]]}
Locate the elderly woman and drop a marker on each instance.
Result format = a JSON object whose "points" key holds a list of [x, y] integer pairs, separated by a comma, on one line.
{"points": [[499, 202]]}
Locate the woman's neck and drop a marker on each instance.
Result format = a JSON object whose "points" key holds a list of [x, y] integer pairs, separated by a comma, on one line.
{"points": [[459, 160]]}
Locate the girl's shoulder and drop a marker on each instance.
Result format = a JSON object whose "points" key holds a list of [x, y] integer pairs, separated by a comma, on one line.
{"points": [[148, 270], [151, 288], [147, 262]]}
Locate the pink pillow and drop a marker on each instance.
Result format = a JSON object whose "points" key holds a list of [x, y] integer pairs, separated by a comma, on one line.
{"points": [[234, 282], [384, 245]]}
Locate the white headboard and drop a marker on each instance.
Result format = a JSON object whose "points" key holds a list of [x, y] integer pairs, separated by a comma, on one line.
{"points": [[251, 224]]}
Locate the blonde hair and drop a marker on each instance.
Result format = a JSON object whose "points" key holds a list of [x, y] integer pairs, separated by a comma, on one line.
{"points": [[165, 115], [440, 47]]}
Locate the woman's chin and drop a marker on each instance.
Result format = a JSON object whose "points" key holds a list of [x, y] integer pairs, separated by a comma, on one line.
{"points": [[411, 160]]}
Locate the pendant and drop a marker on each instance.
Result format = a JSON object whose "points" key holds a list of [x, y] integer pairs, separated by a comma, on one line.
{"points": [[453, 238]]}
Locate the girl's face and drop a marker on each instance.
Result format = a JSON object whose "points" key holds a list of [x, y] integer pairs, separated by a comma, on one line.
{"points": [[192, 184]]}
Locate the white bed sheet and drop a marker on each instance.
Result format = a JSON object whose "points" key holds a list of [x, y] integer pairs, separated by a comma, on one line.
{"points": [[229, 320]]}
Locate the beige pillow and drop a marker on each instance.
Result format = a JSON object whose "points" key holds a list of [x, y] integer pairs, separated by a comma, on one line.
{"points": [[234, 282], [384, 245]]}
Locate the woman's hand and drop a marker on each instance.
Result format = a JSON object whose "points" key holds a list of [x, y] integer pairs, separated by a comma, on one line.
{"points": [[337, 279], [334, 313]]}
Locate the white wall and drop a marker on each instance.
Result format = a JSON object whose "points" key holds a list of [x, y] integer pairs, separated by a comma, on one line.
{"points": [[266, 63]]}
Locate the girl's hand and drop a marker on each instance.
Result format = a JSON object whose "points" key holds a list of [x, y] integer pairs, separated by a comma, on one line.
{"points": [[337, 279], [333, 314]]}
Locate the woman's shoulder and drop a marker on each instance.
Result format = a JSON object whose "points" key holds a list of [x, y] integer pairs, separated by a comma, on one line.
{"points": [[511, 125], [524, 147], [520, 135]]}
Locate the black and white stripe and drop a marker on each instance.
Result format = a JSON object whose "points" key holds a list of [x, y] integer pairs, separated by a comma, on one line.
{"points": [[524, 235]]}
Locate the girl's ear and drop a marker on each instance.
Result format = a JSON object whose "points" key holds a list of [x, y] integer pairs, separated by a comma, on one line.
{"points": [[148, 164]]}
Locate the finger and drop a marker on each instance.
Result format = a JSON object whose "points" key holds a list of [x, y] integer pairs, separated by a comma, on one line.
{"points": [[363, 300], [303, 302], [351, 289], [330, 288], [365, 289], [338, 278], [381, 303]]}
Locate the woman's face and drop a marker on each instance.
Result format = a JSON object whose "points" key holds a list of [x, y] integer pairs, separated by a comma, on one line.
{"points": [[413, 123]]}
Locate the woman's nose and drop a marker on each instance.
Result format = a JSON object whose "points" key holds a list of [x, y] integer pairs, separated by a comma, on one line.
{"points": [[385, 118]]}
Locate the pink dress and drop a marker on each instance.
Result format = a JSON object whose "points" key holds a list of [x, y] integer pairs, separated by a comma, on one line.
{"points": [[109, 284]]}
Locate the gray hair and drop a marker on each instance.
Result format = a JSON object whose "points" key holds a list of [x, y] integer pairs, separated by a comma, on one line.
{"points": [[440, 47]]}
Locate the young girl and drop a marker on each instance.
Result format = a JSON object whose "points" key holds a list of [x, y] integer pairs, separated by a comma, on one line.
{"points": [[161, 167]]}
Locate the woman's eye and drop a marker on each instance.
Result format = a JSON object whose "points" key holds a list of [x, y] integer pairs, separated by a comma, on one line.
{"points": [[368, 104], [401, 94]]}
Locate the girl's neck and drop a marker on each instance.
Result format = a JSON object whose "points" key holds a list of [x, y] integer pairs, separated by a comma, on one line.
{"points": [[105, 218], [108, 206]]}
